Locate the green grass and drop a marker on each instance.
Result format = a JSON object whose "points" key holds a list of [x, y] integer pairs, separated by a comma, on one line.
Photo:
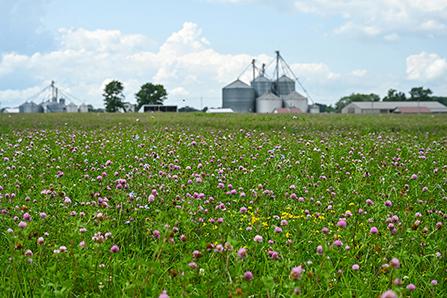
{"points": [[334, 162]]}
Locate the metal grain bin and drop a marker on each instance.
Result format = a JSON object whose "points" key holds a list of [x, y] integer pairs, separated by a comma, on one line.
{"points": [[267, 103], [53, 107], [71, 108], [296, 100], [239, 97], [262, 85], [30, 107], [83, 108], [285, 86]]}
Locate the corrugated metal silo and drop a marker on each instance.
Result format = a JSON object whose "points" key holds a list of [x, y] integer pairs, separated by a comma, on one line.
{"points": [[24, 107], [71, 108], [267, 103], [53, 107], [30, 107], [262, 85], [285, 86], [83, 108], [239, 97], [296, 100]]}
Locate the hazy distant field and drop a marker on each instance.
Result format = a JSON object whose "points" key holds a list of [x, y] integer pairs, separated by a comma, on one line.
{"points": [[204, 205]]}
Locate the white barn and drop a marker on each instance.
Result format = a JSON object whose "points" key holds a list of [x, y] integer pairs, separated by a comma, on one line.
{"points": [[386, 107]]}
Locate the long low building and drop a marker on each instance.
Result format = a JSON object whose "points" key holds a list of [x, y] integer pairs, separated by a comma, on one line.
{"points": [[387, 107]]}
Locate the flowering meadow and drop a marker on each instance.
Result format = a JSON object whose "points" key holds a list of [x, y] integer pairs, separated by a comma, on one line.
{"points": [[172, 205]]}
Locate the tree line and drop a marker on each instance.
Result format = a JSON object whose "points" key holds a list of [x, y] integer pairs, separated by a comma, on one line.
{"points": [[415, 94], [149, 93]]}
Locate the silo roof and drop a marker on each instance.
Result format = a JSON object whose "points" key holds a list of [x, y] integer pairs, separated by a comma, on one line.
{"points": [[261, 78], [268, 96], [237, 84], [285, 78]]}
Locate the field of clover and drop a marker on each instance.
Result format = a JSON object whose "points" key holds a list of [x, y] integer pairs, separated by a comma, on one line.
{"points": [[172, 205]]}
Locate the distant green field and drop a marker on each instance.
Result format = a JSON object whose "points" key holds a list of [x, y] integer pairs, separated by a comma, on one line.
{"points": [[201, 205]]}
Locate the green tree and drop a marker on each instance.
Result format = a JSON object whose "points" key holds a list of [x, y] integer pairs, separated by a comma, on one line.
{"points": [[113, 96], [420, 94], [441, 99], [394, 95], [344, 101], [150, 93]]}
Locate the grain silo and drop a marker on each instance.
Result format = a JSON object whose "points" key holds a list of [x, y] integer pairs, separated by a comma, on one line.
{"points": [[267, 103], [30, 107], [71, 108], [262, 85], [83, 108], [267, 92], [53, 107], [285, 86], [296, 100], [239, 97]]}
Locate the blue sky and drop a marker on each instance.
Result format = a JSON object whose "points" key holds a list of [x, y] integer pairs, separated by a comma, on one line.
{"points": [[195, 47]]}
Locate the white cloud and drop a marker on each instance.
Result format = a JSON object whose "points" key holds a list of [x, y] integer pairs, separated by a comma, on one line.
{"points": [[433, 25], [179, 92], [351, 28], [360, 73], [426, 67], [85, 60], [371, 17], [380, 18], [185, 63], [384, 17], [8, 96], [102, 40], [314, 71]]}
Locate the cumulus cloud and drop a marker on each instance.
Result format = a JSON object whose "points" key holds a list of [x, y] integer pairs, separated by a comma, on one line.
{"points": [[85, 60], [383, 18], [314, 71], [426, 67], [102, 40], [372, 19]]}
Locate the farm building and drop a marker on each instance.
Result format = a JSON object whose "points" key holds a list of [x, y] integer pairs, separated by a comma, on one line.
{"points": [[219, 111], [265, 95], [30, 107], [386, 107], [51, 100], [157, 108], [83, 108]]}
